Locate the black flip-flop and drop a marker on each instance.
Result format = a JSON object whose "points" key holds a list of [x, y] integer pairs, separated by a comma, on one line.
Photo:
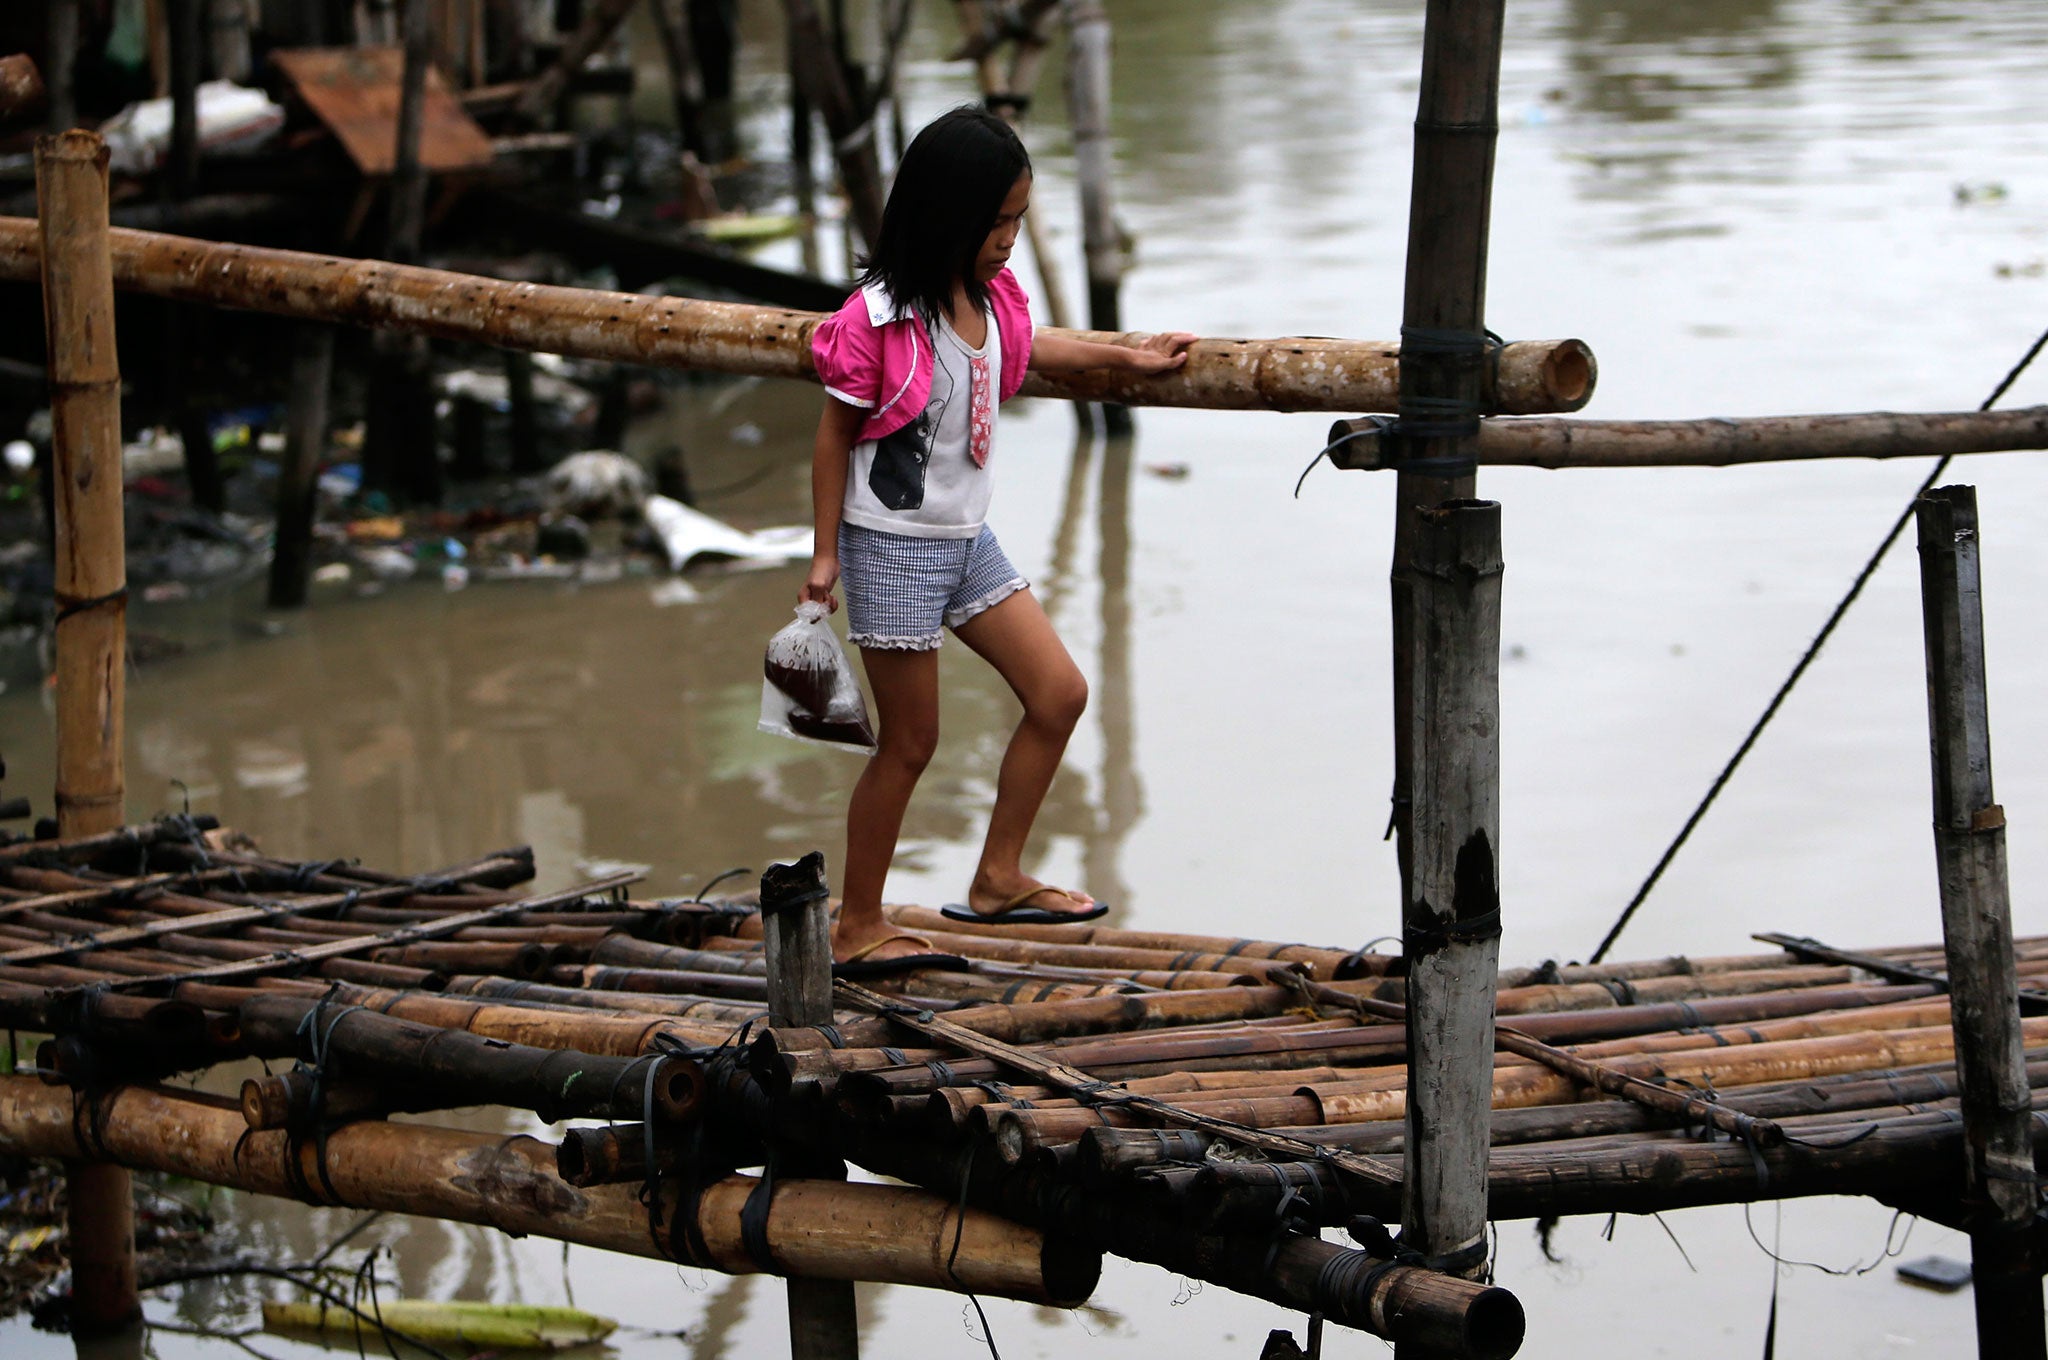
{"points": [[1014, 913], [860, 970], [860, 966]]}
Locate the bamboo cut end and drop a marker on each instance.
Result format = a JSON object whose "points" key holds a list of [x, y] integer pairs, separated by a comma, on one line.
{"points": [[74, 146], [1570, 373]]}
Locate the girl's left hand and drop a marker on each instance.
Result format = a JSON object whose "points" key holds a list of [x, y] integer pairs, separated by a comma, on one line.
{"points": [[1161, 353]]}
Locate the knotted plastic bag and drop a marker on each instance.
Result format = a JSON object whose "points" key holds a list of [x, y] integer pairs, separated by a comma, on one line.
{"points": [[810, 692]]}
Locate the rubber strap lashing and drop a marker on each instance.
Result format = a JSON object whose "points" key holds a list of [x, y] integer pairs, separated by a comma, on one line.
{"points": [[754, 1221]]}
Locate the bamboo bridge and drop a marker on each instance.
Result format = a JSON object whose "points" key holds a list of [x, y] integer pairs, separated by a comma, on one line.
{"points": [[1065, 1092], [1071, 1091]]}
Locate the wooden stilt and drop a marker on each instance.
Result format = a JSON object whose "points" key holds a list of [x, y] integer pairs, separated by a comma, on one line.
{"points": [[61, 61], [91, 631], [1446, 641], [186, 329], [686, 82], [1088, 109], [1976, 925], [399, 454], [525, 417], [305, 441], [822, 78], [797, 945]]}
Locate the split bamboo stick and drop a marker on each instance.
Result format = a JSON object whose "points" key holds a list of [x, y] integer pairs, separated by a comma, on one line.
{"points": [[1724, 443], [1291, 374], [815, 1230]]}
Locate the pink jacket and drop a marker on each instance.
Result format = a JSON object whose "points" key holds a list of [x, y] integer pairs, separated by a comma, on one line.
{"points": [[870, 356]]}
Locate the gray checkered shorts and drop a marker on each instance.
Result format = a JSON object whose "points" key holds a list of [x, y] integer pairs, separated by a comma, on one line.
{"points": [[902, 591]]}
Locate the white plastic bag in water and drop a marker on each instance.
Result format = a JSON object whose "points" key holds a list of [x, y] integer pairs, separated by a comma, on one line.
{"points": [[809, 691]]}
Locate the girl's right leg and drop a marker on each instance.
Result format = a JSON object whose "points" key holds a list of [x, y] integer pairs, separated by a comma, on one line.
{"points": [[906, 690]]}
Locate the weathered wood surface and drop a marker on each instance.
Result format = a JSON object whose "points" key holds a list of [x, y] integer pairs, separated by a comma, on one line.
{"points": [[2001, 1193], [1288, 374], [1720, 442]]}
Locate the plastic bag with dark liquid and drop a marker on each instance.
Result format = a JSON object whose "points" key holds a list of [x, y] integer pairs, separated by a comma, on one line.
{"points": [[809, 690]]}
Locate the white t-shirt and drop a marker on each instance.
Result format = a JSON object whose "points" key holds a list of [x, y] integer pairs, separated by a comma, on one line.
{"points": [[930, 479]]}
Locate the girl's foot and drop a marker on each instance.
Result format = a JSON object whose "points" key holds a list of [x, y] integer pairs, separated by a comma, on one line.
{"points": [[878, 945], [989, 899]]}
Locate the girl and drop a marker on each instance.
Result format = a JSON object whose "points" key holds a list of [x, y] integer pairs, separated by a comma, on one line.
{"points": [[913, 365]]}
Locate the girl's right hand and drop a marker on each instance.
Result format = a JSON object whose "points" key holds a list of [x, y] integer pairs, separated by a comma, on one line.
{"points": [[818, 585]]}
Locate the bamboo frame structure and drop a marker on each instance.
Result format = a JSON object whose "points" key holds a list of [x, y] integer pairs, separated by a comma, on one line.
{"points": [[1085, 1119]]}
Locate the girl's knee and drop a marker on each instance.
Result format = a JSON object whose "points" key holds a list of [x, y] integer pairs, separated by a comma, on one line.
{"points": [[1060, 702], [909, 746]]}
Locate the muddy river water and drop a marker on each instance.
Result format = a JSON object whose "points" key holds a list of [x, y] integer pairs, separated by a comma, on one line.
{"points": [[1745, 206]]}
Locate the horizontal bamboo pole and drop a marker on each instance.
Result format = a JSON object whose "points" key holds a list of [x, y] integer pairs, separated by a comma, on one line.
{"points": [[1290, 374], [1722, 442], [820, 1230]]}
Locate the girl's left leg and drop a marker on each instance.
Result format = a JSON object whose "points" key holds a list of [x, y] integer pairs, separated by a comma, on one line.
{"points": [[1018, 639]]}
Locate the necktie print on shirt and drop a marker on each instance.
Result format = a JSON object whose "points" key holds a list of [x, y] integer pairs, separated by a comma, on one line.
{"points": [[981, 412]]}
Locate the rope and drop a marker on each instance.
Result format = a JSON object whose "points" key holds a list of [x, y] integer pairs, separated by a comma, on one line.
{"points": [[988, 1333], [1799, 669]]}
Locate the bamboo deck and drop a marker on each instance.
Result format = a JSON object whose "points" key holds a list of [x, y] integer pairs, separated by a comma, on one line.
{"points": [[1202, 1103]]}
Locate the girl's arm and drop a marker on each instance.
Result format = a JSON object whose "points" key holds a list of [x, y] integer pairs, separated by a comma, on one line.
{"points": [[838, 431], [1160, 353]]}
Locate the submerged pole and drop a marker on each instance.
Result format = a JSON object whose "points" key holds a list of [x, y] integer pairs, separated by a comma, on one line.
{"points": [[91, 630], [796, 944], [2000, 1187], [1446, 621]]}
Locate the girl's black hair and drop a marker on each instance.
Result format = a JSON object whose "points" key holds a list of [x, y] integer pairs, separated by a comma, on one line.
{"points": [[948, 193]]}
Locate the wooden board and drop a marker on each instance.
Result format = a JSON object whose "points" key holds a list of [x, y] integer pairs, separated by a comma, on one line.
{"points": [[354, 92]]}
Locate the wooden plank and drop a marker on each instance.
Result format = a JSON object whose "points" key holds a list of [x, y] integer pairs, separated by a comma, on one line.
{"points": [[355, 93]]}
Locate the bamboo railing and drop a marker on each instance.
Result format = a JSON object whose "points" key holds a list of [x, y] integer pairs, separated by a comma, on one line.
{"points": [[1294, 374]]}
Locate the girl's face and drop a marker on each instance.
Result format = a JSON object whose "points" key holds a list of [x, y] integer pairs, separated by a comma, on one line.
{"points": [[1002, 238]]}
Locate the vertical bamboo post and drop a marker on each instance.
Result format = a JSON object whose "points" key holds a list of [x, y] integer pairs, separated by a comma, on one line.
{"points": [[304, 441], [1976, 927], [61, 63], [228, 38], [1446, 815], [796, 944], [91, 630], [1451, 911], [1088, 43]]}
